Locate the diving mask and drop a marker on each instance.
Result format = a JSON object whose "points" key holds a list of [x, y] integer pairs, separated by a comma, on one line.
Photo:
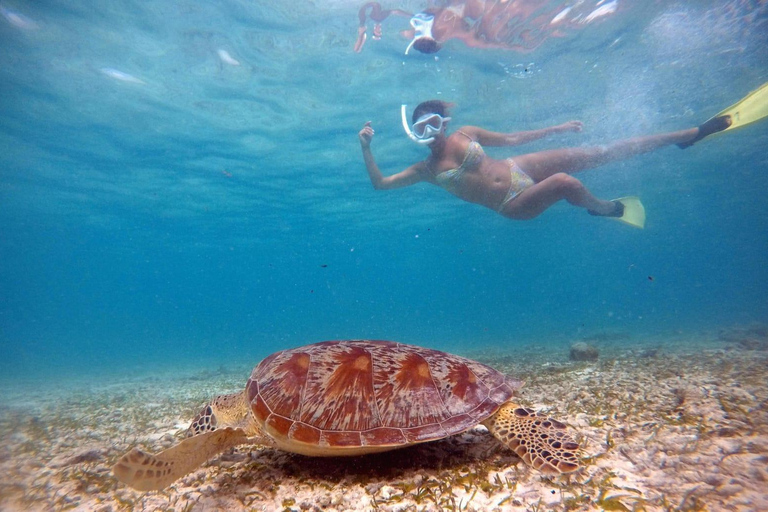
{"points": [[425, 128], [422, 28]]}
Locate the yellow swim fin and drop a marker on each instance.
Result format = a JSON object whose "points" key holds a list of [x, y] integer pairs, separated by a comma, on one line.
{"points": [[750, 109], [634, 211], [631, 209]]}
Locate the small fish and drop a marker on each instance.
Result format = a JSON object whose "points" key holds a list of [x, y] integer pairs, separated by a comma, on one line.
{"points": [[560, 16], [324, 266], [17, 20], [603, 10], [650, 278], [120, 75], [227, 58]]}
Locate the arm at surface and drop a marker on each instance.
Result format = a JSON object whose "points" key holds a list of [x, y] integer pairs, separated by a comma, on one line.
{"points": [[488, 138]]}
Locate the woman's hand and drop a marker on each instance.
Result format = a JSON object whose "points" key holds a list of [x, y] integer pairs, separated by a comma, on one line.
{"points": [[571, 126], [366, 135]]}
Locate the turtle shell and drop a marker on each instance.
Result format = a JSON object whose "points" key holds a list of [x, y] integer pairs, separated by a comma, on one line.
{"points": [[352, 397]]}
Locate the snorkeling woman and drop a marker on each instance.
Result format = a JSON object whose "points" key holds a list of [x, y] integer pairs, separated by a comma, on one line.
{"points": [[522, 187]]}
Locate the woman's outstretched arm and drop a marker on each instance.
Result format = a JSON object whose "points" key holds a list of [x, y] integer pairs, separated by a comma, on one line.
{"points": [[405, 178], [378, 15], [488, 138]]}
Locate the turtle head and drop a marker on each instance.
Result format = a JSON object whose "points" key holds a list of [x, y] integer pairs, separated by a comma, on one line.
{"points": [[223, 411]]}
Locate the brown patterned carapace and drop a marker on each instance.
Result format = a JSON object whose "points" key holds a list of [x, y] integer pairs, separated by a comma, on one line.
{"points": [[371, 393]]}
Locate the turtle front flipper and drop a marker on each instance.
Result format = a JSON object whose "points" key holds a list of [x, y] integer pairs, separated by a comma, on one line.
{"points": [[146, 472], [542, 443]]}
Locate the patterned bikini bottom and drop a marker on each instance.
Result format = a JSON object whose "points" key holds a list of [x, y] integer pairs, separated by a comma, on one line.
{"points": [[519, 181]]}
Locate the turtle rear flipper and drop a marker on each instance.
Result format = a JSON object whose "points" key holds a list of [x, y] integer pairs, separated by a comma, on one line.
{"points": [[146, 472], [542, 443]]}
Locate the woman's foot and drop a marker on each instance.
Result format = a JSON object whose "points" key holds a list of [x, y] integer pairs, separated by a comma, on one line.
{"points": [[714, 125], [617, 211]]}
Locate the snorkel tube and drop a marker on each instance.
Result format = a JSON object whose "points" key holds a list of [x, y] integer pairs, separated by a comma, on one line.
{"points": [[410, 45], [407, 128]]}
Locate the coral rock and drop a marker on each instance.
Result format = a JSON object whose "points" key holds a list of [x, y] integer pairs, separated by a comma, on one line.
{"points": [[581, 351]]}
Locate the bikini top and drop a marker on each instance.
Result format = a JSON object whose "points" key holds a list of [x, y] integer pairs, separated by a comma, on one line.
{"points": [[451, 178]]}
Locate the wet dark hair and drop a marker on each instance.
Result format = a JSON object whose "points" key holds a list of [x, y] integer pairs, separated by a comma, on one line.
{"points": [[431, 107], [427, 45]]}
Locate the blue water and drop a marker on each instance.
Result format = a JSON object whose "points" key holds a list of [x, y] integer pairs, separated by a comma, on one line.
{"points": [[158, 203]]}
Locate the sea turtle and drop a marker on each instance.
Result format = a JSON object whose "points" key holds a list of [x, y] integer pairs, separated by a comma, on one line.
{"points": [[354, 397]]}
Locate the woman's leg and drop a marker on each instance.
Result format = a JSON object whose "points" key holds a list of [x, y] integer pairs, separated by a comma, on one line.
{"points": [[540, 166], [532, 201]]}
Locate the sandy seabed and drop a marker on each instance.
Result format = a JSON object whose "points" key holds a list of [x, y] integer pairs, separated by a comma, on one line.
{"points": [[671, 428]]}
